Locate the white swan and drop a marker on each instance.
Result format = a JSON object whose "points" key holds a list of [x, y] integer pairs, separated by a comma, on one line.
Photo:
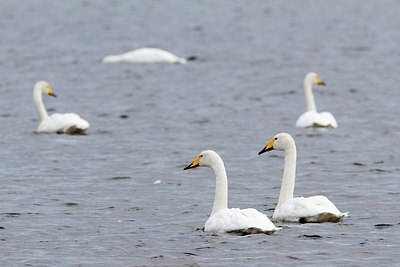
{"points": [[299, 209], [223, 219], [69, 123], [147, 55], [311, 118]]}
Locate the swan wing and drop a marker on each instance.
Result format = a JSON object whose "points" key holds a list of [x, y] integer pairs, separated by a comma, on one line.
{"points": [[70, 123], [228, 220], [323, 203], [307, 119], [314, 119], [311, 209], [260, 220], [327, 119]]}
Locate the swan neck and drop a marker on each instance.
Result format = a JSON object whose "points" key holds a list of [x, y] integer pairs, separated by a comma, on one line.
{"points": [[309, 96], [221, 187], [289, 176], [37, 99]]}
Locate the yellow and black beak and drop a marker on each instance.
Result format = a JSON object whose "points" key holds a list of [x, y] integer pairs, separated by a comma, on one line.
{"points": [[319, 81], [51, 92], [194, 164], [268, 147]]}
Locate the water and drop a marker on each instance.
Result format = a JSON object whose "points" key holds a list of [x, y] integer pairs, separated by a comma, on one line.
{"points": [[91, 200]]}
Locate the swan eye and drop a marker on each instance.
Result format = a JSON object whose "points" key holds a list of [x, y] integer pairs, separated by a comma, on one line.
{"points": [[201, 156], [276, 138]]}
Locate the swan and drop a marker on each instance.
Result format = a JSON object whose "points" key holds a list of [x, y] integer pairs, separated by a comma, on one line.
{"points": [[69, 123], [223, 219], [311, 118], [315, 209], [147, 55]]}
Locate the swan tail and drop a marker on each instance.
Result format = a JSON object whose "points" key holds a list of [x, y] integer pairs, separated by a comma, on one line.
{"points": [[323, 217], [185, 60], [75, 130], [181, 61], [320, 125]]}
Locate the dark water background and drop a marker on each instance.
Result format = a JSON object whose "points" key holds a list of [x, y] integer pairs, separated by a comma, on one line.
{"points": [[91, 200]]}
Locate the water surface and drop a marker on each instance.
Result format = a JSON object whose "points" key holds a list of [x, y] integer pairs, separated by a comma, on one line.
{"points": [[91, 200]]}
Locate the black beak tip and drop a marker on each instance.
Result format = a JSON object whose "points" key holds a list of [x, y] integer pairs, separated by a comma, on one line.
{"points": [[265, 150], [190, 166], [323, 83]]}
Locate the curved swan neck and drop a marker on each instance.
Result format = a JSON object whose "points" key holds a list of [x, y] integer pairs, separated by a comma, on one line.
{"points": [[309, 96], [37, 99], [221, 187], [289, 175]]}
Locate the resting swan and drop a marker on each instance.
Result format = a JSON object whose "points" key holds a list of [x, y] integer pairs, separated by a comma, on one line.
{"points": [[311, 118], [147, 55], [315, 209], [69, 123], [223, 219]]}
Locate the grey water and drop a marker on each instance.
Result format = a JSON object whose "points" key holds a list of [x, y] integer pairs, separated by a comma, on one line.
{"points": [[118, 196]]}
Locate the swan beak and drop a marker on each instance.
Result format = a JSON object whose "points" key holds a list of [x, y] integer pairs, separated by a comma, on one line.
{"points": [[319, 81], [268, 147], [194, 164], [51, 92]]}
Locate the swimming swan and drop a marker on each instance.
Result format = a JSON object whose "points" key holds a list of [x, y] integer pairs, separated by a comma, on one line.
{"points": [[311, 118], [147, 55], [223, 219], [316, 209], [69, 123]]}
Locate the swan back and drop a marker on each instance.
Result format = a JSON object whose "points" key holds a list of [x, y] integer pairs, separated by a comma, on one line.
{"points": [[69, 123], [315, 209], [145, 55], [238, 221]]}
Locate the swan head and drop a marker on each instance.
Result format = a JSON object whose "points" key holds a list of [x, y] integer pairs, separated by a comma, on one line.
{"points": [[281, 141], [313, 78], [207, 158], [44, 88]]}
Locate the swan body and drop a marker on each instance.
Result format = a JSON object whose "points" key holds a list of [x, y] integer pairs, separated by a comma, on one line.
{"points": [[145, 55], [299, 209], [311, 118], [223, 219], [228, 220], [69, 123]]}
